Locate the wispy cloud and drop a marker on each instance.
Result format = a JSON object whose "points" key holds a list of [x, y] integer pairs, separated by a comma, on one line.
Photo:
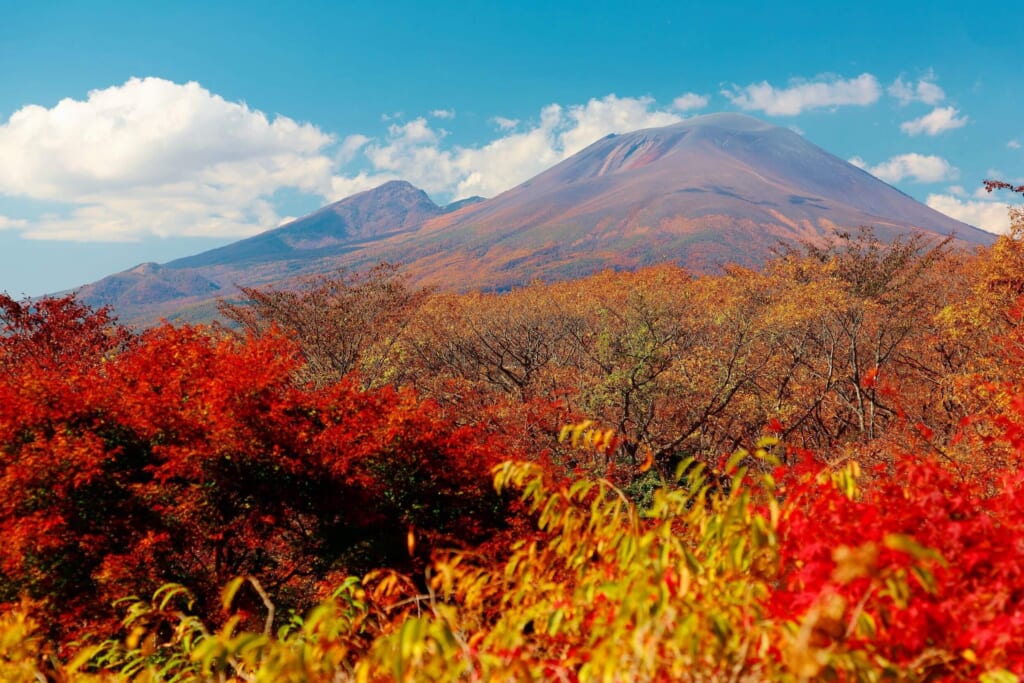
{"points": [[690, 101], [350, 147], [505, 124], [924, 90], [11, 223], [801, 95], [443, 113], [914, 167], [1013, 144], [939, 120]]}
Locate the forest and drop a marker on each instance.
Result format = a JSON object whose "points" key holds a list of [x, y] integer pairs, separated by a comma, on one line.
{"points": [[809, 471]]}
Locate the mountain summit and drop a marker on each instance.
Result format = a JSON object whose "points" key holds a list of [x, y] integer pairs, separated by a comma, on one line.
{"points": [[707, 191], [704, 192], [392, 208]]}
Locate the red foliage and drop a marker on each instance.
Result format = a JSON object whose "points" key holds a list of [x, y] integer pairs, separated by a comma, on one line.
{"points": [[973, 611], [55, 334], [187, 456], [991, 185]]}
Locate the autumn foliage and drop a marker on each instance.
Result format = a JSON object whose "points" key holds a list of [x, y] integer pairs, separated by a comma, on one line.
{"points": [[808, 472], [190, 456]]}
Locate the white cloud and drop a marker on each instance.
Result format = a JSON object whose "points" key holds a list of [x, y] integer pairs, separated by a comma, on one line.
{"points": [[152, 157], [415, 152], [505, 124], [11, 223], [929, 93], [937, 121], [443, 113], [350, 147], [801, 95], [689, 102], [1013, 144], [987, 215], [415, 132], [587, 123], [925, 90], [342, 186], [915, 167], [957, 190]]}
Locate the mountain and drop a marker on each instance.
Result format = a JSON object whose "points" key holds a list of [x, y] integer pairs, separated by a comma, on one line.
{"points": [[392, 208], [704, 192]]}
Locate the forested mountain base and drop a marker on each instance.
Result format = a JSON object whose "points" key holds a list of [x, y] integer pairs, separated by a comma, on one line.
{"points": [[809, 472]]}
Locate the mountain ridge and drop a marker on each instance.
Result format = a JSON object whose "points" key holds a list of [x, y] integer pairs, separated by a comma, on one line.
{"points": [[387, 209], [703, 192]]}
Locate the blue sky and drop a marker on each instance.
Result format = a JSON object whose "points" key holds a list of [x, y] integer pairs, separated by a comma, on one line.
{"points": [[134, 132]]}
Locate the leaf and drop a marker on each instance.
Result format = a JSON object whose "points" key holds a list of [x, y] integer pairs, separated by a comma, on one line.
{"points": [[227, 596], [578, 430], [998, 676], [410, 542], [907, 544], [648, 461]]}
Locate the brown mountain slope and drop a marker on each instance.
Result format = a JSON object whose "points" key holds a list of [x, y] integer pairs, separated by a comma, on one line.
{"points": [[704, 192]]}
